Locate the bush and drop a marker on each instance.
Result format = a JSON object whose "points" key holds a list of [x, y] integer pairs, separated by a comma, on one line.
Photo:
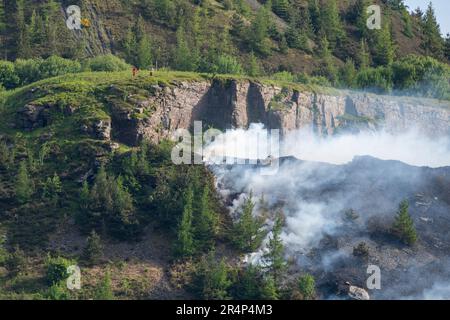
{"points": [[56, 66], [16, 261], [228, 65], [422, 76], [404, 225], [56, 269], [108, 63], [8, 76], [104, 291], [93, 251], [28, 70], [377, 79], [283, 76], [361, 250], [307, 286]]}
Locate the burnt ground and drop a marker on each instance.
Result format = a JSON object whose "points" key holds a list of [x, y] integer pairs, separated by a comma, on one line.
{"points": [[356, 203]]}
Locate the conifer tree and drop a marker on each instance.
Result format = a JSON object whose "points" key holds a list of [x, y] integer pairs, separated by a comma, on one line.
{"points": [[432, 44], [207, 220], [281, 8], [214, 278], [347, 74], [24, 184], [384, 46], [360, 10], [94, 248], [23, 39], [447, 47], [306, 286], [259, 32], [404, 224], [314, 13], [274, 258], [330, 23], [269, 289], [84, 196], [3, 25], [327, 68], [185, 58], [52, 189], [184, 245], [144, 53], [253, 68], [247, 233], [364, 55], [104, 291]]}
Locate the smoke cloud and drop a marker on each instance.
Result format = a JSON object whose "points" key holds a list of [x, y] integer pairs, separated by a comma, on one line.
{"points": [[320, 179]]}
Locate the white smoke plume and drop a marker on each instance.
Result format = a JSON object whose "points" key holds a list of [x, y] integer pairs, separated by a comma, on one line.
{"points": [[298, 185]]}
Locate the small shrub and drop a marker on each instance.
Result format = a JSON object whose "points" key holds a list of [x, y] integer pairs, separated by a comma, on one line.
{"points": [[361, 250], [226, 64], [56, 269], [404, 225], [108, 63], [307, 287], [8, 76]]}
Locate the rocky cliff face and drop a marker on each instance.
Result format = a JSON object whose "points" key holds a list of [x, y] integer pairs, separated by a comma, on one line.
{"points": [[236, 104], [158, 110]]}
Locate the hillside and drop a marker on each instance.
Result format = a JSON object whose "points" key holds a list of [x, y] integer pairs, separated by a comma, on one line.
{"points": [[87, 172], [289, 38]]}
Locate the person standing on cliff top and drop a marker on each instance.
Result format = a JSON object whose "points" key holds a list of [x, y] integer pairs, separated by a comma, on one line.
{"points": [[135, 71]]}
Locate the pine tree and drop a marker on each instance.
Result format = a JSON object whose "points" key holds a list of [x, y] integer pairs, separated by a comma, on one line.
{"points": [[84, 196], [447, 47], [247, 233], [432, 44], [3, 30], [253, 69], [364, 55], [129, 45], [207, 220], [384, 46], [259, 32], [52, 189], [360, 11], [248, 285], [23, 38], [184, 245], [404, 224], [144, 53], [24, 185], [330, 22], [269, 289], [185, 58], [306, 286], [314, 13], [347, 74], [327, 68], [94, 249], [101, 198], [104, 291], [214, 278], [408, 29], [274, 258], [281, 8], [123, 208]]}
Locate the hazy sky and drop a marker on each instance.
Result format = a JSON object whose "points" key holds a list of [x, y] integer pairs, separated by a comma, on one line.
{"points": [[442, 8]]}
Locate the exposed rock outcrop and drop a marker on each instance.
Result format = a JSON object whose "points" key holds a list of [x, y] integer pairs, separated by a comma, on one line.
{"points": [[236, 104], [157, 111]]}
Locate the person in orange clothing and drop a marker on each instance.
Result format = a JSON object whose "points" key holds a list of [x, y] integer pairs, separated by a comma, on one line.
{"points": [[135, 71]]}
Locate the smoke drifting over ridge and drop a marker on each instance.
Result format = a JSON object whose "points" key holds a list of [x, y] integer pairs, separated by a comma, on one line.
{"points": [[334, 175], [412, 147]]}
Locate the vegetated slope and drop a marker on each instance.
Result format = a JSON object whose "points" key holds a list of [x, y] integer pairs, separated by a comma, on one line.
{"points": [[290, 38]]}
